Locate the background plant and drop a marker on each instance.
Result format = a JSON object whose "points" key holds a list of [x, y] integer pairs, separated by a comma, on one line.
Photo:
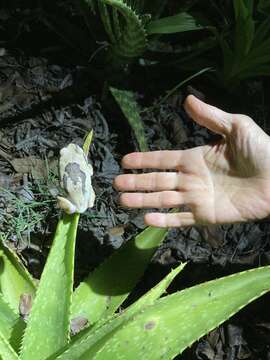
{"points": [[246, 51]]}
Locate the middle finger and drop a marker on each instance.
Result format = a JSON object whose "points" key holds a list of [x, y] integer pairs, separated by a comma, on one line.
{"points": [[150, 182]]}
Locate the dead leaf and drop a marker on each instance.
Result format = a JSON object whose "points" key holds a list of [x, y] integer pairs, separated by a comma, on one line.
{"points": [[38, 168]]}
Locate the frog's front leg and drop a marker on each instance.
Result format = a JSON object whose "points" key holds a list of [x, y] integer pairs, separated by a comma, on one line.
{"points": [[66, 205], [92, 198]]}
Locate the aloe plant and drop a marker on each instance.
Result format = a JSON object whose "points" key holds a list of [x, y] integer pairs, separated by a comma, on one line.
{"points": [[150, 328], [128, 26], [129, 106], [15, 279], [124, 28]]}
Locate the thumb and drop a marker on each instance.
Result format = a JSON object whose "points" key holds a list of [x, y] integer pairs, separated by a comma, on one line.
{"points": [[208, 116]]}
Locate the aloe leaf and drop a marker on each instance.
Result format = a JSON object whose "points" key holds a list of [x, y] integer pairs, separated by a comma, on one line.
{"points": [[11, 325], [87, 142], [116, 24], [137, 5], [173, 24], [50, 314], [105, 17], [109, 285], [148, 298], [130, 38], [6, 351], [174, 322], [107, 325], [130, 108], [15, 280], [48, 324]]}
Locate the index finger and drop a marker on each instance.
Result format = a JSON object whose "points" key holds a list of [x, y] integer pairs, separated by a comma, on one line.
{"points": [[164, 159]]}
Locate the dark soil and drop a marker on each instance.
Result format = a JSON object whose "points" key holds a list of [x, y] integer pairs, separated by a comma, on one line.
{"points": [[47, 102]]}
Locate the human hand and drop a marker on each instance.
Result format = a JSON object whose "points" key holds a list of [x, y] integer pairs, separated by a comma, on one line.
{"points": [[225, 182]]}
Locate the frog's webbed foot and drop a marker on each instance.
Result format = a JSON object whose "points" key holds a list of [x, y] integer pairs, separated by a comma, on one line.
{"points": [[66, 205]]}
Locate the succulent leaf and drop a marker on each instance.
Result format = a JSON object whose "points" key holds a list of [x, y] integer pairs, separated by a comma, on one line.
{"points": [[174, 322], [124, 28], [15, 280], [11, 325], [107, 325], [48, 326], [173, 24], [129, 106], [109, 285], [50, 314], [6, 351]]}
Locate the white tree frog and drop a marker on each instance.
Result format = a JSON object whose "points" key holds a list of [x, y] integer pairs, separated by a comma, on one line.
{"points": [[75, 177]]}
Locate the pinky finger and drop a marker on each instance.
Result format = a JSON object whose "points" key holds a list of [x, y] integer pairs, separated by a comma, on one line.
{"points": [[170, 220]]}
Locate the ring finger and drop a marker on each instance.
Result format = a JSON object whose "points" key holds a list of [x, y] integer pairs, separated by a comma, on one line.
{"points": [[151, 181]]}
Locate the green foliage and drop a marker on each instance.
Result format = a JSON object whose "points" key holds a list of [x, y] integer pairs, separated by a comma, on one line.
{"points": [[55, 287], [108, 325], [173, 24], [29, 211], [14, 279], [152, 327], [50, 314], [149, 328], [171, 324], [128, 25], [11, 325], [6, 351], [124, 28], [165, 327], [128, 104], [264, 6], [248, 53], [108, 286]]}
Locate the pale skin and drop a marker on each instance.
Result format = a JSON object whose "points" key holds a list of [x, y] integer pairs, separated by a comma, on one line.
{"points": [[225, 182]]}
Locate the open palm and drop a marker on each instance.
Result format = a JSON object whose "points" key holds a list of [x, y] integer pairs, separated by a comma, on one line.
{"points": [[225, 182]]}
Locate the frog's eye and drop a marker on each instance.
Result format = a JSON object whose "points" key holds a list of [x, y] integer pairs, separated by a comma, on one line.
{"points": [[66, 205]]}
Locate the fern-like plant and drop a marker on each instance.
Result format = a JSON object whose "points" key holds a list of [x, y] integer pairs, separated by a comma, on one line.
{"points": [[246, 53]]}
